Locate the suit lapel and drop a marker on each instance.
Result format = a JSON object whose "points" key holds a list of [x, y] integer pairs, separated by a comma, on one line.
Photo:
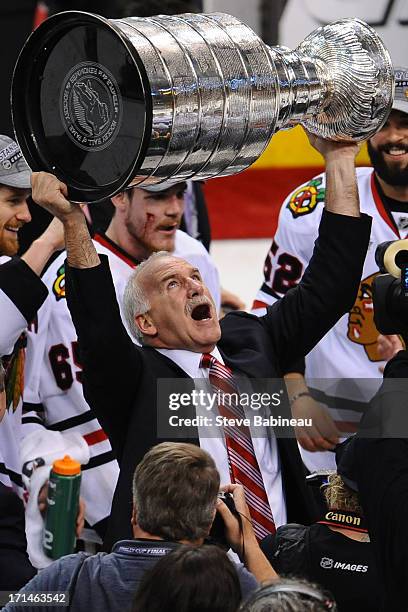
{"points": [[164, 368], [246, 347], [165, 364]]}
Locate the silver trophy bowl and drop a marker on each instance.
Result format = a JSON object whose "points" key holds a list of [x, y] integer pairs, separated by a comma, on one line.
{"points": [[109, 104]]}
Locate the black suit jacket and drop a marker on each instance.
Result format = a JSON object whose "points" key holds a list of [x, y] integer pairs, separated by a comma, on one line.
{"points": [[380, 468], [120, 378]]}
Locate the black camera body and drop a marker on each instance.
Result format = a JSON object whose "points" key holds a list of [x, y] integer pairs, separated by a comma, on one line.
{"points": [[390, 288], [390, 306], [217, 533]]}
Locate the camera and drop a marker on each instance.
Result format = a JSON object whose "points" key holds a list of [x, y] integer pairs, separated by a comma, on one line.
{"points": [[217, 533], [390, 288]]}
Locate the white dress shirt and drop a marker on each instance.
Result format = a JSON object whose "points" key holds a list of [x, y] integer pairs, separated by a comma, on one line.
{"points": [[265, 447]]}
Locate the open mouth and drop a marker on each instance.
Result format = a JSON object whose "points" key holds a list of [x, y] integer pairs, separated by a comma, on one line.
{"points": [[168, 228], [12, 229], [202, 312]]}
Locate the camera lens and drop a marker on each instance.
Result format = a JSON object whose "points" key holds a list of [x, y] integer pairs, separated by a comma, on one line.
{"points": [[401, 259], [379, 255]]}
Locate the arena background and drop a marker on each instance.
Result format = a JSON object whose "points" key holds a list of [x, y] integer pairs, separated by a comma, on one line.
{"points": [[243, 209]]}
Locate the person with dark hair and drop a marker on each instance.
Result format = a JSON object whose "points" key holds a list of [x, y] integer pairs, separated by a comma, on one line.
{"points": [[383, 189], [289, 596], [175, 498], [190, 578]]}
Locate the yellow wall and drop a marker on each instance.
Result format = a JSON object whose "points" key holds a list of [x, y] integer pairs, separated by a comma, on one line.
{"points": [[290, 148]]}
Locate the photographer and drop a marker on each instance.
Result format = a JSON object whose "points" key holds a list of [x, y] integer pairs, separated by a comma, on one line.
{"points": [[381, 470], [380, 450], [175, 498], [335, 552]]}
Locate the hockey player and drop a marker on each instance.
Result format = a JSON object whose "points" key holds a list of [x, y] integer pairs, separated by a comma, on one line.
{"points": [[144, 221], [350, 349], [21, 294]]}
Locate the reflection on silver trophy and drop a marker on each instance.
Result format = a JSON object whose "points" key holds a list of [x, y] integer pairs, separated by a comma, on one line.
{"points": [[214, 96]]}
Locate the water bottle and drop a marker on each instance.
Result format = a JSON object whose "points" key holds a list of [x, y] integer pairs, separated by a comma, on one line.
{"points": [[62, 508]]}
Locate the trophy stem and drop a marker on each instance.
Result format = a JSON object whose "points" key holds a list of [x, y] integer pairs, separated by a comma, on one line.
{"points": [[304, 84]]}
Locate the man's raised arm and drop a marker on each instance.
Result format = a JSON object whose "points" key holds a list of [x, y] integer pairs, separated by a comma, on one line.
{"points": [[341, 182], [298, 321], [91, 299], [51, 194]]}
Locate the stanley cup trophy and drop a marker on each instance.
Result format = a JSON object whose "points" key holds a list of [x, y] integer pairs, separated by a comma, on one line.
{"points": [[108, 104]]}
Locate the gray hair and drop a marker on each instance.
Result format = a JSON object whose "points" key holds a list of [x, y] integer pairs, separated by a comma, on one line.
{"points": [[135, 301], [289, 595]]}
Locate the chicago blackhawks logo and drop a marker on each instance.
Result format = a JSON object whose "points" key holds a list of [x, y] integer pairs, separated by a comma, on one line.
{"points": [[90, 106], [361, 327], [305, 199], [58, 287]]}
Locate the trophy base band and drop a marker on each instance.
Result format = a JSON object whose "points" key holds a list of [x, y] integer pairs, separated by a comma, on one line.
{"points": [[85, 120]]}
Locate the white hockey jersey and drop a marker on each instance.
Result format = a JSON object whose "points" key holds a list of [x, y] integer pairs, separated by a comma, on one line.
{"points": [[13, 322], [349, 350], [53, 393]]}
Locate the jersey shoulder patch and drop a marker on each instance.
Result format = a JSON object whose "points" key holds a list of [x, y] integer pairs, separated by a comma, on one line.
{"points": [[305, 199], [58, 286]]}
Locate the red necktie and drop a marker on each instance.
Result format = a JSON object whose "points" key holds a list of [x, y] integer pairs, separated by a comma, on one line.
{"points": [[243, 464]]}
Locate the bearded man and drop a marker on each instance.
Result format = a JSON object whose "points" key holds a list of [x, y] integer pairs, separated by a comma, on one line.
{"points": [[351, 348]]}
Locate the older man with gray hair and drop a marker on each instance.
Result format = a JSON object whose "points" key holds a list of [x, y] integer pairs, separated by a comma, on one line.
{"points": [[183, 339]]}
